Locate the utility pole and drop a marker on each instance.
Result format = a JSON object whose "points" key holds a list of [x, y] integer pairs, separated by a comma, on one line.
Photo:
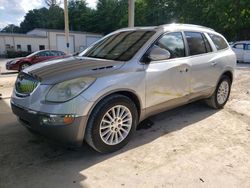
{"points": [[66, 24], [131, 13], [13, 40]]}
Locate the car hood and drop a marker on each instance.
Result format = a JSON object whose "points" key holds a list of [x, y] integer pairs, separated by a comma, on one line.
{"points": [[58, 70], [17, 59]]}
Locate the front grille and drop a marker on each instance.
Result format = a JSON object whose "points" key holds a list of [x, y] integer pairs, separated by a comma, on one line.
{"points": [[25, 84]]}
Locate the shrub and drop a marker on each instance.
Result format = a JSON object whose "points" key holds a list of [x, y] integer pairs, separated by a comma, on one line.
{"points": [[13, 54]]}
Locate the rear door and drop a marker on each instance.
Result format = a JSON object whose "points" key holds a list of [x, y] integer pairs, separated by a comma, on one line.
{"points": [[204, 70]]}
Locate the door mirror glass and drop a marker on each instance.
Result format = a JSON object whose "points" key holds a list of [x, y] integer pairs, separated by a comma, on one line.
{"points": [[158, 54]]}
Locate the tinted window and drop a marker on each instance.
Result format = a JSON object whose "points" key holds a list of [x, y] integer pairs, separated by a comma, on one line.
{"points": [[18, 47], [219, 42], [208, 47], [54, 53], [29, 48], [7, 46], [57, 53], [173, 42], [41, 47], [60, 53], [196, 43], [239, 46], [120, 46], [44, 53], [247, 47]]}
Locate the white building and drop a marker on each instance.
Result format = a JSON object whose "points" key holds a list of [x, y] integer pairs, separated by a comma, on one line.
{"points": [[39, 39]]}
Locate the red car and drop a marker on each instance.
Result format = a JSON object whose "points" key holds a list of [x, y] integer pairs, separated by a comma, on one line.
{"points": [[36, 57]]}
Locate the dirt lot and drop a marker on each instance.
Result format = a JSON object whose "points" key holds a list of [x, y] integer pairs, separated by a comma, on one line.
{"points": [[192, 146]]}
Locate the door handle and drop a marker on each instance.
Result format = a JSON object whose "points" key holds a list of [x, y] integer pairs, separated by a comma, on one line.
{"points": [[213, 64]]}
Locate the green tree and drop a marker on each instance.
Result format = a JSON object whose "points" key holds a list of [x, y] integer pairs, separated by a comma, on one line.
{"points": [[229, 17], [109, 15], [51, 18], [79, 15], [11, 28]]}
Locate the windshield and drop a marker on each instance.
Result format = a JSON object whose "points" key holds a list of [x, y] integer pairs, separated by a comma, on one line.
{"points": [[121, 46], [32, 54]]}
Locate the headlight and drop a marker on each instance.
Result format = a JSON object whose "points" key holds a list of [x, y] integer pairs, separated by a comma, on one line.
{"points": [[13, 62], [67, 90]]}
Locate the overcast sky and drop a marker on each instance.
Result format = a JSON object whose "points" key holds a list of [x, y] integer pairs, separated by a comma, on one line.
{"points": [[13, 11]]}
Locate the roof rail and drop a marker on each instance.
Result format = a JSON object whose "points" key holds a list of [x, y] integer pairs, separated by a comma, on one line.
{"points": [[187, 25]]}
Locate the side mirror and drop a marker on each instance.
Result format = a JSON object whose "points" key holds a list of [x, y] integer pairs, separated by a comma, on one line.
{"points": [[158, 53]]}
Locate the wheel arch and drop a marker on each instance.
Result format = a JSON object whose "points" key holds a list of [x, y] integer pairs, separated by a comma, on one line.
{"points": [[24, 62], [128, 93], [229, 74]]}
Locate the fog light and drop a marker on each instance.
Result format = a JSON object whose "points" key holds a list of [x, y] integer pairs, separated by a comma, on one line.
{"points": [[57, 119], [68, 119]]}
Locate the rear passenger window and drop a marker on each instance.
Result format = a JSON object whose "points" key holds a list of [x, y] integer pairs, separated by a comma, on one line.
{"points": [[196, 43], [173, 42], [60, 53], [218, 41], [42, 54], [54, 53]]}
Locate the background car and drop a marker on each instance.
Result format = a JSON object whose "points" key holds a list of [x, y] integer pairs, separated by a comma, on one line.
{"points": [[242, 51], [36, 57]]}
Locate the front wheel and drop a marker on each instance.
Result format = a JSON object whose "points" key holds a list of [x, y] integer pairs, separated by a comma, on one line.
{"points": [[221, 93], [111, 124], [23, 66]]}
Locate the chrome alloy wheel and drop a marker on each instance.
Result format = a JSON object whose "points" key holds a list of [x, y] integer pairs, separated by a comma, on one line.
{"points": [[25, 65], [223, 92], [115, 125]]}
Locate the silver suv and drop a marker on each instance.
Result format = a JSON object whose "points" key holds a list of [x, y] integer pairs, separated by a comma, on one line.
{"points": [[101, 95]]}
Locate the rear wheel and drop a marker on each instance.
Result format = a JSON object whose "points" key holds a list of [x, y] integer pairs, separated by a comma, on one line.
{"points": [[221, 94], [111, 124]]}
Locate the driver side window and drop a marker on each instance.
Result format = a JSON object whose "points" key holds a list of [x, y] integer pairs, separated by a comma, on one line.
{"points": [[173, 42], [41, 54], [45, 54]]}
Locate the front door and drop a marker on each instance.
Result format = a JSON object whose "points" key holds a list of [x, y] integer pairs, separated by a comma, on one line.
{"points": [[168, 81], [41, 56]]}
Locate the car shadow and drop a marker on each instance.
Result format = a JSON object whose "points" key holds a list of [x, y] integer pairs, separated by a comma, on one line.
{"points": [[8, 73], [23, 154]]}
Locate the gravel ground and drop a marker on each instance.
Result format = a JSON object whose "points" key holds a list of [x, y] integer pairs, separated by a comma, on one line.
{"points": [[191, 146]]}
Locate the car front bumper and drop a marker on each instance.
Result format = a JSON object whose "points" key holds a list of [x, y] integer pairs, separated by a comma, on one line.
{"points": [[71, 134], [9, 66]]}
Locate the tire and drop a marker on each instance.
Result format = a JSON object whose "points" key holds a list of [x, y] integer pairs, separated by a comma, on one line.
{"points": [[100, 122], [215, 101], [23, 66]]}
